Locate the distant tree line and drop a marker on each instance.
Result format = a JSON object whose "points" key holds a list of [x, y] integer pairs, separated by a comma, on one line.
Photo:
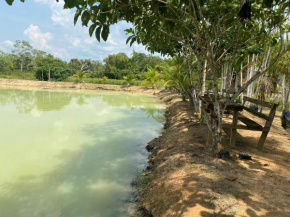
{"points": [[25, 59]]}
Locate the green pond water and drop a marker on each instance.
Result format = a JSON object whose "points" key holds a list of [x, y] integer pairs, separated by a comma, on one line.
{"points": [[73, 153]]}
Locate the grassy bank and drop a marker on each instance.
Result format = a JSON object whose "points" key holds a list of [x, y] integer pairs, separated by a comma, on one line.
{"points": [[31, 76], [18, 75], [100, 81]]}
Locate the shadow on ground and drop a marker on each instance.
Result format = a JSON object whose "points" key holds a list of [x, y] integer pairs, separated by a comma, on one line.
{"points": [[186, 180]]}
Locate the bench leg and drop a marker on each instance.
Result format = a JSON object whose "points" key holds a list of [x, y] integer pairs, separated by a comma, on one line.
{"points": [[267, 127], [262, 139], [234, 129]]}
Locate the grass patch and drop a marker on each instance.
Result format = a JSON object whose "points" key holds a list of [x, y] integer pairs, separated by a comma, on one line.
{"points": [[100, 81], [19, 75]]}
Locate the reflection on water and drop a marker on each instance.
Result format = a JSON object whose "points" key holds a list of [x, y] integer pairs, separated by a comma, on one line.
{"points": [[71, 153]]}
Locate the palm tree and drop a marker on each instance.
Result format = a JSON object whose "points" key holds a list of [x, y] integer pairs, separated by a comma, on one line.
{"points": [[153, 77], [176, 76], [129, 79], [79, 76]]}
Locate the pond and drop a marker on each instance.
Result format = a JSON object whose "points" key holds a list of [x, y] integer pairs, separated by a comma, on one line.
{"points": [[73, 153]]}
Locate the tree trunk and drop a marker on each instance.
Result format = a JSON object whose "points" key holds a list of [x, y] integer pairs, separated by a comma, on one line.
{"points": [[203, 83], [204, 78], [49, 74], [193, 98], [241, 82], [284, 97], [216, 127], [222, 81]]}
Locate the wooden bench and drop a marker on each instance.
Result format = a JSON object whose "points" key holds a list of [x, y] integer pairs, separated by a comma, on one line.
{"points": [[252, 125]]}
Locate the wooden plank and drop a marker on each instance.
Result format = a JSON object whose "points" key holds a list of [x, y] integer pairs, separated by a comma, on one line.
{"points": [[250, 123], [241, 127], [267, 127], [230, 107], [258, 102], [261, 115]]}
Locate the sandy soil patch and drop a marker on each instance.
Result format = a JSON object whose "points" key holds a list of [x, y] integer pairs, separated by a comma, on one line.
{"points": [[46, 84], [185, 180]]}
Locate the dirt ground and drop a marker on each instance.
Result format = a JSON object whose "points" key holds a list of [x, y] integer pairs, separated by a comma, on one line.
{"points": [[185, 180], [67, 85]]}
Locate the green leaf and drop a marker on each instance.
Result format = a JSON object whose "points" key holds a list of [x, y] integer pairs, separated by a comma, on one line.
{"points": [[105, 32], [128, 31], [98, 33], [132, 41], [91, 2], [86, 18], [9, 2], [77, 14], [70, 3], [268, 3], [102, 17], [128, 39], [92, 29]]}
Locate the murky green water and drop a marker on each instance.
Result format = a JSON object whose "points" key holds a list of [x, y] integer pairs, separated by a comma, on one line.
{"points": [[72, 153]]}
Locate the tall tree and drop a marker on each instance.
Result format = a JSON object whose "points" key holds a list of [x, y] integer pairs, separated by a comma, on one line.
{"points": [[49, 67], [23, 54]]}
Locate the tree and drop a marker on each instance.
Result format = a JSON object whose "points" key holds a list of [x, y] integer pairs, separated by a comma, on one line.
{"points": [[6, 62], [85, 65], [116, 65], [80, 76], [217, 33], [153, 77], [209, 31], [139, 63], [49, 67], [23, 54], [284, 68], [175, 75], [129, 79]]}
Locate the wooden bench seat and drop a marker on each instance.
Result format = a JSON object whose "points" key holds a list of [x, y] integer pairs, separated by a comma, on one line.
{"points": [[254, 126], [250, 124]]}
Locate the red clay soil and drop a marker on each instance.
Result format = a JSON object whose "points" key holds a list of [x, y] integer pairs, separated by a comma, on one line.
{"points": [[185, 180]]}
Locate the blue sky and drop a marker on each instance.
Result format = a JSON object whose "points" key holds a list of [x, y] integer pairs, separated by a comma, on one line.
{"points": [[48, 27]]}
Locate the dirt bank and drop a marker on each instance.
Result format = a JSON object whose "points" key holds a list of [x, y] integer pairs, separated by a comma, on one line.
{"points": [[185, 180], [46, 84]]}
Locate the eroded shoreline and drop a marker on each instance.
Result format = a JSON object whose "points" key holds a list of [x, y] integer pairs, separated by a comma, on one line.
{"points": [[183, 179], [71, 85]]}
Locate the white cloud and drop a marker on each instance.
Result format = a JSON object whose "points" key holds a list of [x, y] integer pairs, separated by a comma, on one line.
{"points": [[89, 41], [6, 46], [76, 42], [76, 38], [8, 43], [41, 41], [44, 1], [59, 17]]}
